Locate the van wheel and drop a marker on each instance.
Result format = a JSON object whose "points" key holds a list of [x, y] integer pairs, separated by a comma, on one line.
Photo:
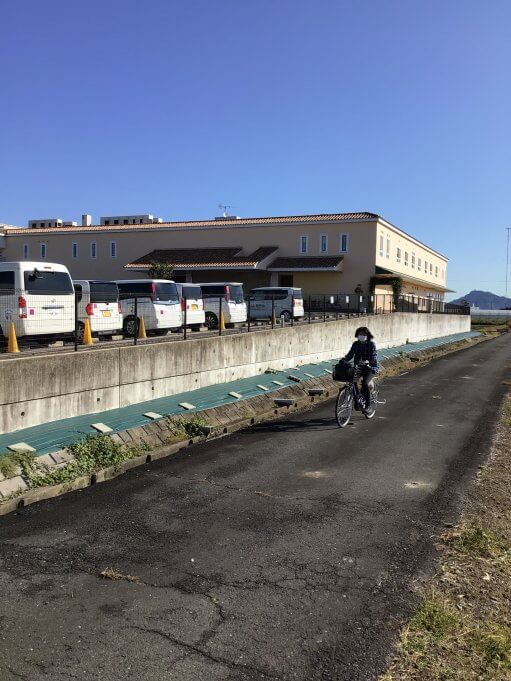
{"points": [[130, 326], [287, 316], [211, 321]]}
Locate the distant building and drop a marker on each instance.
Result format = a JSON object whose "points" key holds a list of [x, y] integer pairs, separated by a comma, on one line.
{"points": [[129, 220]]}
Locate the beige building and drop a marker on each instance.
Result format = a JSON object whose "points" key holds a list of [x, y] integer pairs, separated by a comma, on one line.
{"points": [[329, 253]]}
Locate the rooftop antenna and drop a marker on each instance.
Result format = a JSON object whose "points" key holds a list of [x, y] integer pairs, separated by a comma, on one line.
{"points": [[224, 208]]}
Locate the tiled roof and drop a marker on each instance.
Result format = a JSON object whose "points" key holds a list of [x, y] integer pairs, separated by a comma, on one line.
{"points": [[201, 258], [276, 220], [306, 263]]}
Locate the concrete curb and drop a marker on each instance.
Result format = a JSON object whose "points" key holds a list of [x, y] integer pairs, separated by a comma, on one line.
{"points": [[160, 441]]}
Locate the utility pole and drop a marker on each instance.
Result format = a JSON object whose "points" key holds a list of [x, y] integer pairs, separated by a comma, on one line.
{"points": [[507, 256]]}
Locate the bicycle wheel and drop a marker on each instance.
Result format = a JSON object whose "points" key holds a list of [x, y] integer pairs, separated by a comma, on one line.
{"points": [[343, 407], [371, 409]]}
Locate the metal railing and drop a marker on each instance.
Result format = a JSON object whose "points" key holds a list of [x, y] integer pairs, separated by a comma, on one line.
{"points": [[52, 320]]}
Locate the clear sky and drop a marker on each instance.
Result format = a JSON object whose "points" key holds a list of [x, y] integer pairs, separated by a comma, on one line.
{"points": [[171, 107]]}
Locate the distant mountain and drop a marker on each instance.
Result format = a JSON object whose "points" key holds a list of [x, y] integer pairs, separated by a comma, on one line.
{"points": [[485, 300]]}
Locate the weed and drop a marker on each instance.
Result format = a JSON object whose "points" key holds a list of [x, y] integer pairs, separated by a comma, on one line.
{"points": [[475, 539], [493, 642], [195, 427], [434, 619], [11, 463]]}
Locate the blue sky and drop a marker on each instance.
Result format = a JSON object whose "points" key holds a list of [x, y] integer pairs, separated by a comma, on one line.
{"points": [[397, 107]]}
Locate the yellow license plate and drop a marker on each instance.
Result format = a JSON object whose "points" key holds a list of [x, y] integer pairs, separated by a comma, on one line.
{"points": [[195, 307], [106, 313]]}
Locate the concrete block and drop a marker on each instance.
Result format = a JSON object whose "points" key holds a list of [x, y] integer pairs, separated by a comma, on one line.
{"points": [[47, 460], [20, 447], [101, 427], [233, 393], [62, 456], [187, 405], [12, 485], [262, 387], [153, 415]]}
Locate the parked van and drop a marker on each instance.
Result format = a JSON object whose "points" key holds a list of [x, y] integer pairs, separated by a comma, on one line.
{"points": [[157, 301], [195, 315], [38, 297], [288, 302], [234, 307], [98, 301]]}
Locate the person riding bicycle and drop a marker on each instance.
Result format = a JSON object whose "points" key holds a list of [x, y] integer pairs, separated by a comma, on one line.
{"points": [[364, 355]]}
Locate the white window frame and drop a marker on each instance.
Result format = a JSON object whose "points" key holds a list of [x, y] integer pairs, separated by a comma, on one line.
{"points": [[381, 245], [436, 270], [346, 236], [43, 250], [398, 254], [387, 250], [26, 251], [419, 264], [321, 237], [74, 250], [94, 249], [431, 268], [113, 249], [406, 258], [306, 237], [413, 260]]}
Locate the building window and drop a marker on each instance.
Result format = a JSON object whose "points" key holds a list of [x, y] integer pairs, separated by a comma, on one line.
{"points": [[93, 249], [425, 267], [436, 270], [116, 222], [304, 243], [113, 249], [419, 264], [124, 222], [344, 243], [387, 253], [398, 254], [406, 258], [43, 251], [323, 243], [431, 268], [25, 251], [74, 250], [381, 245], [413, 260], [107, 222]]}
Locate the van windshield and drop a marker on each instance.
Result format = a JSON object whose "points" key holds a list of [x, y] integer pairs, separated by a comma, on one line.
{"points": [[192, 292], [103, 292], [236, 293], [166, 292], [42, 282]]}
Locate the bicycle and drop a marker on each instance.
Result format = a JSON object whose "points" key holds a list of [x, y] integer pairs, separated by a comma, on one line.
{"points": [[350, 396]]}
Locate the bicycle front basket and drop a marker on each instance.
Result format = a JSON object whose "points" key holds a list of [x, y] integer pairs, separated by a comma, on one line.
{"points": [[343, 371]]}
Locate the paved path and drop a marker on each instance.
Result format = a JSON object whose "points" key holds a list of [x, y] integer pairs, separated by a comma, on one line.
{"points": [[283, 552]]}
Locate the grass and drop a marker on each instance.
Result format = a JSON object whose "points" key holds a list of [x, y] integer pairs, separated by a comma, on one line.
{"points": [[11, 463], [461, 629], [197, 426]]}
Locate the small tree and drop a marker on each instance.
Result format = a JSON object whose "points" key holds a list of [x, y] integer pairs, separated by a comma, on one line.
{"points": [[161, 270]]}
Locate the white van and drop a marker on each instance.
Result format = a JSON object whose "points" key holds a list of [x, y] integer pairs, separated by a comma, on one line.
{"points": [[288, 302], [195, 315], [234, 307], [98, 301], [38, 297], [157, 301]]}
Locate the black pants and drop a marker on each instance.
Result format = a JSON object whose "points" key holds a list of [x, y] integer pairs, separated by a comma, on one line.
{"points": [[367, 383]]}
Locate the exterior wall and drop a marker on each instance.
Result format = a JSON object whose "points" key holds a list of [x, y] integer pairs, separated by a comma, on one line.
{"points": [[416, 252], [36, 390]]}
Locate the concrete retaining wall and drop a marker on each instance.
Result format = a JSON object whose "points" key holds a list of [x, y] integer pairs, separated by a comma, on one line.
{"points": [[36, 390]]}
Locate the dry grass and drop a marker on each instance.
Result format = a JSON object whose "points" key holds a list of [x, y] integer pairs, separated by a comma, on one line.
{"points": [[115, 575], [462, 628]]}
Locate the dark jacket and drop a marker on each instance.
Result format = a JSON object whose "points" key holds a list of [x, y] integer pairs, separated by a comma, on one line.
{"points": [[362, 352]]}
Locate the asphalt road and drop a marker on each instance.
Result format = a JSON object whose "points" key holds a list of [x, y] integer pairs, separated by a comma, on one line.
{"points": [[287, 551]]}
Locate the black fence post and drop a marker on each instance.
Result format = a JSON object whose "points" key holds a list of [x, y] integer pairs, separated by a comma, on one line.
{"points": [[348, 304], [220, 316], [185, 316], [135, 326], [292, 309], [76, 321], [309, 309], [248, 314]]}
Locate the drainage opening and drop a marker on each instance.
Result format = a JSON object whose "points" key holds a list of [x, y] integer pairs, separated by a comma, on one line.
{"points": [[252, 421], [225, 430], [21, 503], [148, 458], [93, 479], [190, 442]]}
